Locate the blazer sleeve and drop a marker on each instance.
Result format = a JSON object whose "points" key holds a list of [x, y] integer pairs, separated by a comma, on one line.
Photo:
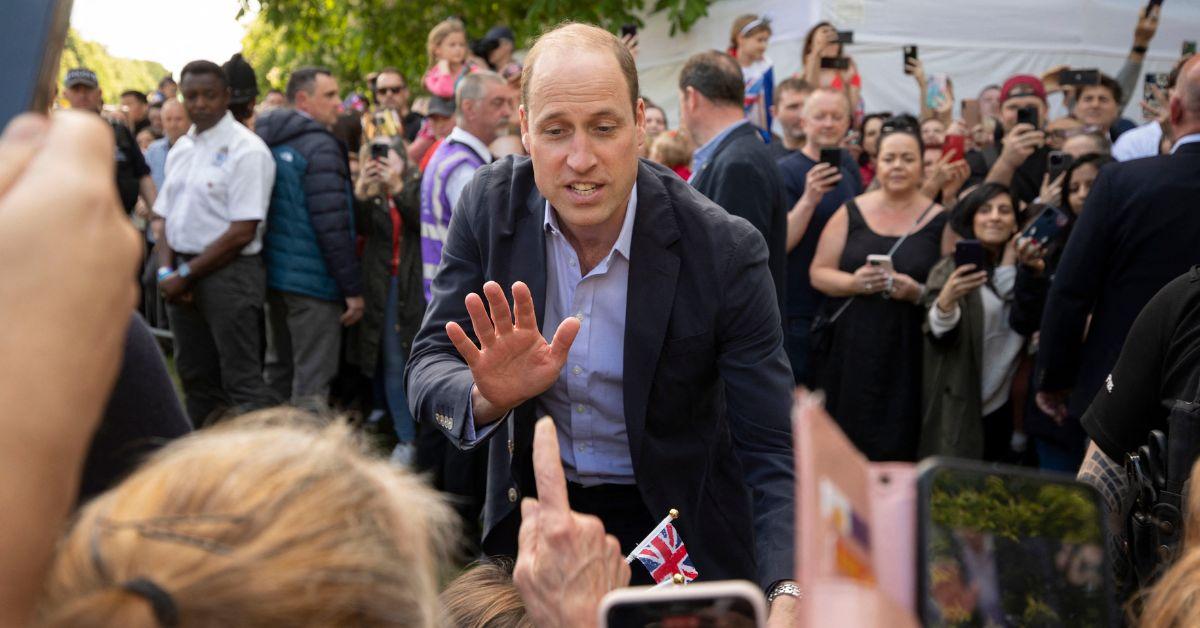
{"points": [[1076, 286], [758, 386], [327, 188], [743, 191], [1029, 300], [438, 380]]}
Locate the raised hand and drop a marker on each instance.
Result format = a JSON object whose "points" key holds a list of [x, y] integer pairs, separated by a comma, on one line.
{"points": [[565, 561], [513, 362]]}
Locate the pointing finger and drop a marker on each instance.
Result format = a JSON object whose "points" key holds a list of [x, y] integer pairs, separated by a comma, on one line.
{"points": [[548, 469]]}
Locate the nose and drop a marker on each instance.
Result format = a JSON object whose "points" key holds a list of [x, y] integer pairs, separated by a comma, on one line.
{"points": [[581, 158]]}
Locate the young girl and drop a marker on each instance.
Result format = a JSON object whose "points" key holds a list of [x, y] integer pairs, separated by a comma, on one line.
{"points": [[674, 151], [447, 46], [748, 44]]}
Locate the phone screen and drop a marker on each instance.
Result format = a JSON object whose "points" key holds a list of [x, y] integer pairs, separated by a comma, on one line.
{"points": [[699, 612], [832, 156], [835, 63], [31, 40], [1028, 115], [1010, 547]]}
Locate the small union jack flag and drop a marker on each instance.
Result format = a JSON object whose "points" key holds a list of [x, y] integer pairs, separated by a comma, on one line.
{"points": [[664, 554]]}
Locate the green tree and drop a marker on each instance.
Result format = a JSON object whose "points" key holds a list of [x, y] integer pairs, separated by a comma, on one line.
{"points": [[115, 74], [355, 37]]}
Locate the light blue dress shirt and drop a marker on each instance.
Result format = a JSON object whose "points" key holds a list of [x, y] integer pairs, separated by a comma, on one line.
{"points": [[587, 401], [156, 159], [701, 156]]}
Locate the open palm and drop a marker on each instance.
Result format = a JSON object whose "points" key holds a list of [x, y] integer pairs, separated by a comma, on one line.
{"points": [[513, 362]]}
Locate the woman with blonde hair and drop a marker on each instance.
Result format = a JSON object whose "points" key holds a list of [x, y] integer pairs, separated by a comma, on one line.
{"points": [[270, 520]]}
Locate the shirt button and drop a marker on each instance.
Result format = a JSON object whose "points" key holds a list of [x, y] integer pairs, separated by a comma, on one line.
{"points": [[512, 494], [577, 370], [579, 315], [582, 448], [571, 263], [580, 408]]}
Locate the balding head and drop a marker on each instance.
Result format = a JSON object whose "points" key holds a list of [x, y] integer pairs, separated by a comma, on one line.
{"points": [[1185, 99], [175, 121], [570, 39]]}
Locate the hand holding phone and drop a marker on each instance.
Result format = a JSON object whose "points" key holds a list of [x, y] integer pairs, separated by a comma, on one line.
{"points": [[1047, 227], [724, 603], [832, 157], [970, 252], [1028, 115], [910, 53], [955, 148]]}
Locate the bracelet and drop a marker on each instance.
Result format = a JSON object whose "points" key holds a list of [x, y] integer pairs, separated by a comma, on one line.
{"points": [[784, 588], [184, 270], [164, 272], [1138, 50]]}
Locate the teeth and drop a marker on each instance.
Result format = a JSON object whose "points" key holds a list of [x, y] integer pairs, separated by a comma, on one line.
{"points": [[583, 187]]}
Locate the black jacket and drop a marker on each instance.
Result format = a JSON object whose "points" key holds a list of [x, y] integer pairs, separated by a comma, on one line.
{"points": [[707, 386], [742, 177], [1140, 228]]}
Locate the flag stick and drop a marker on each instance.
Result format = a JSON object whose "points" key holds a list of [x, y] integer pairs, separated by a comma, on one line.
{"points": [[672, 515]]}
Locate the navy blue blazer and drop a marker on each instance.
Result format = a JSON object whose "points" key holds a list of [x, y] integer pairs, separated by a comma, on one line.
{"points": [[706, 381]]}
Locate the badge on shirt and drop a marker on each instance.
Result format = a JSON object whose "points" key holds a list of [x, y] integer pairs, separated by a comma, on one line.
{"points": [[1108, 384], [220, 156]]}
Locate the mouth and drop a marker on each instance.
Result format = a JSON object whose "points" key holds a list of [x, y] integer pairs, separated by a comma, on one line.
{"points": [[584, 191]]}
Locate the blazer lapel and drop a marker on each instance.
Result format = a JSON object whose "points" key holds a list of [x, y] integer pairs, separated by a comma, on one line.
{"points": [[530, 251], [653, 272]]}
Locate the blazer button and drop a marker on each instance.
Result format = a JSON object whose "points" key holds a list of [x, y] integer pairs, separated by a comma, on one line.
{"points": [[397, 327], [510, 446], [512, 494]]}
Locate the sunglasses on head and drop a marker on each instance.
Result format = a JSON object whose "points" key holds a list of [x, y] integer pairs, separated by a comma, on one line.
{"points": [[384, 91]]}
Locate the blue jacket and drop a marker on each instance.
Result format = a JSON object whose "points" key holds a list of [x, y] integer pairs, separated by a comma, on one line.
{"points": [[309, 243]]}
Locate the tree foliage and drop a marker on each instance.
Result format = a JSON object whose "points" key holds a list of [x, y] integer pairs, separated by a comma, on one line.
{"points": [[355, 37], [115, 74]]}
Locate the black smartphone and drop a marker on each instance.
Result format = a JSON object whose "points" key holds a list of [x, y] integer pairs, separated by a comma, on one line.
{"points": [[1189, 48], [630, 30], [1057, 163], [832, 156], [1007, 546], [835, 63], [845, 37], [1047, 227], [31, 41], [380, 151], [970, 252], [1028, 115], [910, 52], [1079, 77]]}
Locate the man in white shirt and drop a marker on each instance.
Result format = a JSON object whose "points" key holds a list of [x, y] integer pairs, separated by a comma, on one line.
{"points": [[1154, 137], [213, 201]]}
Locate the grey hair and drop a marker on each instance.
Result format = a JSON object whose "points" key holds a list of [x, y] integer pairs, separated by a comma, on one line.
{"points": [[473, 87]]}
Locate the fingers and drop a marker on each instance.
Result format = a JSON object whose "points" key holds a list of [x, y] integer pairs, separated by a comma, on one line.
{"points": [[484, 330], [21, 141], [560, 346], [526, 314], [621, 573], [528, 534], [547, 468], [501, 315], [462, 343]]}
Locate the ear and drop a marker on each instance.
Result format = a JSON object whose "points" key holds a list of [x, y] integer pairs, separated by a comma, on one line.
{"points": [[640, 121], [524, 116]]}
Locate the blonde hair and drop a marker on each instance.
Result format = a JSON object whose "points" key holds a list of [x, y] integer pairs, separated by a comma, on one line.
{"points": [[1175, 599], [671, 149], [273, 519], [439, 33], [485, 597], [575, 37], [740, 23]]}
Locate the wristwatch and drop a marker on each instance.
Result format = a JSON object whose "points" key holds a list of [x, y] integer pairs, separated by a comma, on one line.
{"points": [[184, 270], [786, 587]]}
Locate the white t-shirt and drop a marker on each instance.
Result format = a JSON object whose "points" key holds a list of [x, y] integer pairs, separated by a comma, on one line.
{"points": [[214, 178], [1138, 143]]}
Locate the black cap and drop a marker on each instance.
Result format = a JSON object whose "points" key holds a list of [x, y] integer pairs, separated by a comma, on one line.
{"points": [[441, 106], [243, 84], [80, 76]]}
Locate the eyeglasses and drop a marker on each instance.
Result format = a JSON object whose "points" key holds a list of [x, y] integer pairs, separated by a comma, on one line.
{"points": [[384, 91]]}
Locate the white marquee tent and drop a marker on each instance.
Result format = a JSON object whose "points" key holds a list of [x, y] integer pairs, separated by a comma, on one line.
{"points": [[976, 42]]}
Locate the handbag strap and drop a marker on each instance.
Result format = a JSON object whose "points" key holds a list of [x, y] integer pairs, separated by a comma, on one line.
{"points": [[891, 251]]}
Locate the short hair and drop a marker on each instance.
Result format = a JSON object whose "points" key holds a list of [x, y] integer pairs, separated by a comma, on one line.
{"points": [[304, 79], [204, 67], [439, 33], [1109, 83], [576, 36], [716, 76], [166, 80], [829, 91], [157, 104], [793, 84], [672, 149], [484, 596], [1101, 141], [140, 96], [962, 217], [742, 22], [290, 509], [1099, 160], [904, 124], [473, 87]]}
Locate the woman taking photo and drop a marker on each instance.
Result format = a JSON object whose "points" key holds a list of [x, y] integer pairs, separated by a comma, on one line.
{"points": [[821, 42], [871, 370], [971, 350]]}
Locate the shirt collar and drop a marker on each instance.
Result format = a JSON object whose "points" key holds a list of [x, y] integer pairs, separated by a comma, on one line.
{"points": [[1187, 139], [463, 136], [624, 242], [216, 130], [704, 153]]}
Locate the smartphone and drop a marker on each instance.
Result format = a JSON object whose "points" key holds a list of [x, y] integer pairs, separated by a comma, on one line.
{"points": [[835, 63], [937, 89], [724, 603], [1189, 48], [971, 113], [1028, 115], [1155, 79], [31, 42], [1057, 162], [910, 52], [380, 151], [1079, 77], [970, 252], [1009, 546], [845, 37], [881, 261], [956, 146], [1047, 227], [630, 30], [832, 156]]}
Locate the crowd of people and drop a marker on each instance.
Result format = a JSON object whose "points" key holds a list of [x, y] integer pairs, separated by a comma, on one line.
{"points": [[517, 244]]}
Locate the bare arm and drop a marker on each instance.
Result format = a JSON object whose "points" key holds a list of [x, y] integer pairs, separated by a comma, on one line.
{"points": [[147, 190], [824, 272]]}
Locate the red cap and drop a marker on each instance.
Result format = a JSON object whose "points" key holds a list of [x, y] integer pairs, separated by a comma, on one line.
{"points": [[1023, 85]]}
